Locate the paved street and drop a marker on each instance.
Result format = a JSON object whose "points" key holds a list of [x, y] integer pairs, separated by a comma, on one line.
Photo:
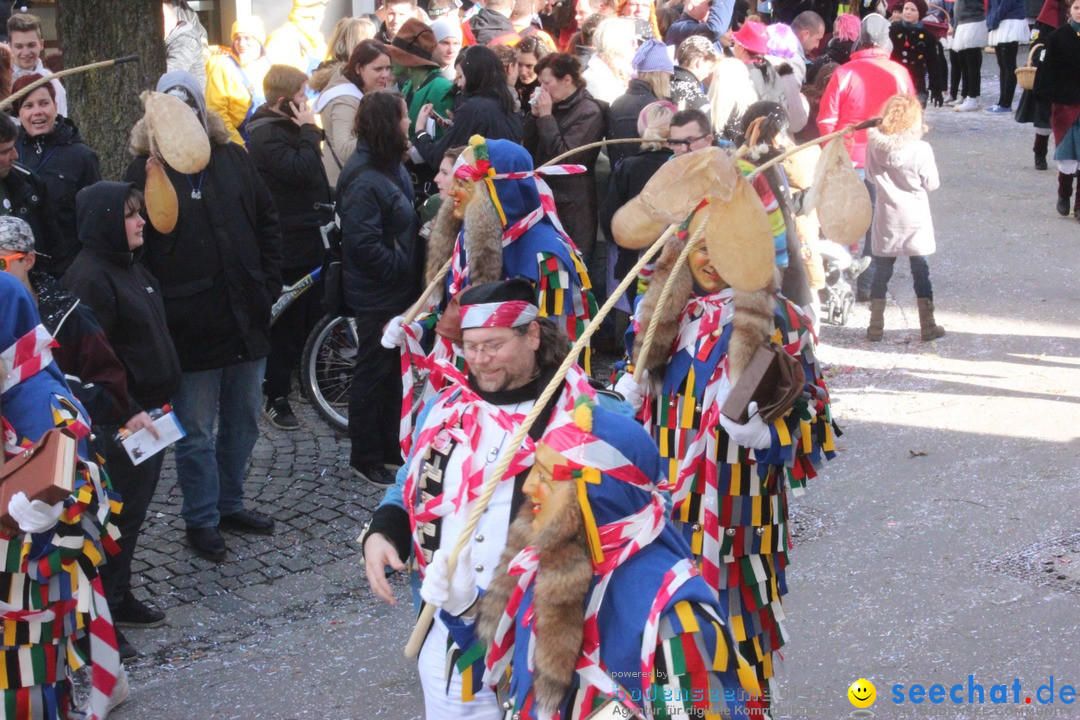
{"points": [[943, 542]]}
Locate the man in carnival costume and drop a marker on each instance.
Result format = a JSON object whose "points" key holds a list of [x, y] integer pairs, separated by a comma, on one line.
{"points": [[500, 223], [730, 481], [51, 597], [462, 431], [596, 600]]}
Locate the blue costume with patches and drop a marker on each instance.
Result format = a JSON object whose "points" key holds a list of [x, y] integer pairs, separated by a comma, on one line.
{"points": [[695, 667]]}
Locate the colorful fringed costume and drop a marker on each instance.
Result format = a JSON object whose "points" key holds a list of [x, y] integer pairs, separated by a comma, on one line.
{"points": [[50, 593], [607, 588], [731, 502], [530, 243]]}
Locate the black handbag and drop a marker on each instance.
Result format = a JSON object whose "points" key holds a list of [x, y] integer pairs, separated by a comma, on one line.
{"points": [[333, 299]]}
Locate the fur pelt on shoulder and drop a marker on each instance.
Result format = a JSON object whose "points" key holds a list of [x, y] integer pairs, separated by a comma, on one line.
{"points": [[891, 143], [139, 142], [444, 232], [561, 586], [752, 323], [483, 238]]}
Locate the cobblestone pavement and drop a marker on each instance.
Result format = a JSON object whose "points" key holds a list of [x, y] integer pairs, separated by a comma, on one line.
{"points": [[299, 478]]}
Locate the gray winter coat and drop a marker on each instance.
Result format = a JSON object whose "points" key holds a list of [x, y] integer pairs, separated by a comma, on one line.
{"points": [[903, 169]]}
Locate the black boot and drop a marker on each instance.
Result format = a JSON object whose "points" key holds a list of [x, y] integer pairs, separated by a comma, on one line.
{"points": [[1042, 144], [1065, 187], [1076, 202]]}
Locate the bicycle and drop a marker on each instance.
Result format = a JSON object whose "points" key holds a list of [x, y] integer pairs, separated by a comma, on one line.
{"points": [[329, 354]]}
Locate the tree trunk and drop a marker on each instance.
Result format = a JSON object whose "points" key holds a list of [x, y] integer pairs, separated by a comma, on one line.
{"points": [[104, 104]]}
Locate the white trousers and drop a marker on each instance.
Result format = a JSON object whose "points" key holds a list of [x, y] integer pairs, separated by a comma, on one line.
{"points": [[440, 704]]}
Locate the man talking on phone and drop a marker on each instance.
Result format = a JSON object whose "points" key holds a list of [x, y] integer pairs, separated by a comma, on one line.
{"points": [[285, 146]]}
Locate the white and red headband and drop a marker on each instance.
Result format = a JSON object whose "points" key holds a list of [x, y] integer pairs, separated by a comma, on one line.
{"points": [[509, 314]]}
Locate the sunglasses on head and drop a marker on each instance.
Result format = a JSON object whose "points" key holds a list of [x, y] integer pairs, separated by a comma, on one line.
{"points": [[6, 260]]}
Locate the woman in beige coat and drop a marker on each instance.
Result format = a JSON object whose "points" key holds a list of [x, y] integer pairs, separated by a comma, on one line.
{"points": [[902, 167], [367, 70]]}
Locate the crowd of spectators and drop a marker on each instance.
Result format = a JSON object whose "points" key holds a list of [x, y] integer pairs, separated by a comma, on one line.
{"points": [[373, 119]]}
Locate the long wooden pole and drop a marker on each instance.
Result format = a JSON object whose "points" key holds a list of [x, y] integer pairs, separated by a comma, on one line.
{"points": [[10, 99], [412, 648]]}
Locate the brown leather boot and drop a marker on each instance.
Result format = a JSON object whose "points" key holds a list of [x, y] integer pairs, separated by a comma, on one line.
{"points": [[930, 329], [876, 329]]}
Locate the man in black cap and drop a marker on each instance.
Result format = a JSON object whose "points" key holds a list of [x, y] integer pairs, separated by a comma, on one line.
{"points": [[461, 434]]}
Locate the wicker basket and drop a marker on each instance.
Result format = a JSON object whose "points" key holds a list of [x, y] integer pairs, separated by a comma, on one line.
{"points": [[1025, 76]]}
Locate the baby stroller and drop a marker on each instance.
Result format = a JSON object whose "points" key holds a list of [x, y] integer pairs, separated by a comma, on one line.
{"points": [[841, 270]]}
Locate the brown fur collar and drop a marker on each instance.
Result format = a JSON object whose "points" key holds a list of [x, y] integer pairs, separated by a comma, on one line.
{"points": [[483, 238], [752, 323], [139, 143], [444, 232], [561, 586]]}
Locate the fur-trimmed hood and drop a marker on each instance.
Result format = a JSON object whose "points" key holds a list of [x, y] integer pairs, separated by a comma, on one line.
{"points": [[323, 74], [897, 141]]}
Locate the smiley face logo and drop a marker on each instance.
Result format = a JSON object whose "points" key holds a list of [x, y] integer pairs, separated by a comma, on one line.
{"points": [[862, 693]]}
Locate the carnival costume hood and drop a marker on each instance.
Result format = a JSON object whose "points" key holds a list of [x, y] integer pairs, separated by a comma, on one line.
{"points": [[29, 375], [527, 218], [558, 609]]}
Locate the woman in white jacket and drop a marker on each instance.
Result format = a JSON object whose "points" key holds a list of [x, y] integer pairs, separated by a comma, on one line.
{"points": [[367, 70], [902, 167]]}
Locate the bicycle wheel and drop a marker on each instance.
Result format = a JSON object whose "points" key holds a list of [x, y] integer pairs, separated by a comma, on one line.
{"points": [[328, 362]]}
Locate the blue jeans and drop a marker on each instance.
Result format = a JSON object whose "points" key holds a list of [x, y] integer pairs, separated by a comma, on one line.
{"points": [[866, 279], [920, 276], [211, 469]]}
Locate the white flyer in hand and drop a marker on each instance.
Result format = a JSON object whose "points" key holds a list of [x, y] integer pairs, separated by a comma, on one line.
{"points": [[141, 445]]}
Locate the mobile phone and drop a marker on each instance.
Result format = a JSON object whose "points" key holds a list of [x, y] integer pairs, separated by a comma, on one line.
{"points": [[442, 121], [286, 107]]}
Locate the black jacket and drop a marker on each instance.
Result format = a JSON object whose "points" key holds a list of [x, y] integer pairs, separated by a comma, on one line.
{"points": [[67, 165], [623, 115], [687, 91], [29, 198], [124, 296], [219, 267], [627, 181], [289, 160], [919, 51], [83, 353], [382, 259], [479, 114], [575, 121], [1058, 77]]}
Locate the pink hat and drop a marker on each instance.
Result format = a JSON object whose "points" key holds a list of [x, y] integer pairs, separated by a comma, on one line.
{"points": [[752, 36]]}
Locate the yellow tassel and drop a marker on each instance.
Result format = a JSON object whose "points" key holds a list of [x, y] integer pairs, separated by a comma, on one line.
{"points": [[828, 444], [591, 532]]}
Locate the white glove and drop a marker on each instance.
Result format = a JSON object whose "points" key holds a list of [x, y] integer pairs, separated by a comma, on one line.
{"points": [[33, 516], [631, 390], [394, 334], [753, 434], [454, 595]]}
